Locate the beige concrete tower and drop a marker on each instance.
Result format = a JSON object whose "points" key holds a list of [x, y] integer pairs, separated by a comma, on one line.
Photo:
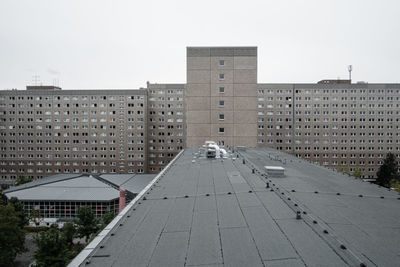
{"points": [[221, 95]]}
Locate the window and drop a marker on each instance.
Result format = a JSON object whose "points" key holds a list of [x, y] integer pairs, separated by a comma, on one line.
{"points": [[221, 90], [221, 130], [222, 62], [222, 76], [221, 103], [221, 116]]}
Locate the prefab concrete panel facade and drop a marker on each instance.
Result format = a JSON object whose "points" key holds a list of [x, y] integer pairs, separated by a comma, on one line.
{"points": [[220, 95]]}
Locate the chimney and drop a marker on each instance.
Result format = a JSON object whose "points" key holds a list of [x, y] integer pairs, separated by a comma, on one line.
{"points": [[122, 199]]}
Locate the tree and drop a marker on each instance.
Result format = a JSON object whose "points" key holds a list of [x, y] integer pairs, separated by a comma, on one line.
{"points": [[12, 236], [358, 172], [23, 180], [107, 218], [387, 171], [69, 232], [51, 248], [86, 222], [3, 198], [20, 211], [344, 170], [395, 184], [35, 216]]}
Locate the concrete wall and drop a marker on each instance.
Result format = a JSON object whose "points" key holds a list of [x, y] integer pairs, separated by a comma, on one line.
{"points": [[203, 95]]}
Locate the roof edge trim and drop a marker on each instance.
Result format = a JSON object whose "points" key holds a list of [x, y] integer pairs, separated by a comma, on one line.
{"points": [[87, 251]]}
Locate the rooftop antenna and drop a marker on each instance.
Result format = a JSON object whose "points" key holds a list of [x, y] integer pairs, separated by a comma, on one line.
{"points": [[350, 68], [35, 79]]}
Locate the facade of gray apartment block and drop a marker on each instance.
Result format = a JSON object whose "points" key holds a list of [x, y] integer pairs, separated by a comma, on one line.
{"points": [[347, 126], [221, 96], [165, 124], [338, 124]]}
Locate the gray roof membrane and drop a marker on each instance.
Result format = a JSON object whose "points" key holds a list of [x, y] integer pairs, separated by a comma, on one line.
{"points": [[80, 187], [215, 212], [75, 189], [45, 180]]}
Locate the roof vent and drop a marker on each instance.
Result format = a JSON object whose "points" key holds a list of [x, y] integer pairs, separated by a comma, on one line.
{"points": [[275, 171]]}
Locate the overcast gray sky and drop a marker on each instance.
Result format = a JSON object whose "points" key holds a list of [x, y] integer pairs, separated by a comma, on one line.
{"points": [[123, 44]]}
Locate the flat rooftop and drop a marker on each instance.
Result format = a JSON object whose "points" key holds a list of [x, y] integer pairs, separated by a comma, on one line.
{"points": [[221, 212]]}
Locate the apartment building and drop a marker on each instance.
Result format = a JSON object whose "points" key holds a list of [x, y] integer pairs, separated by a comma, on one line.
{"points": [[46, 131], [335, 123], [339, 125], [166, 124], [221, 95]]}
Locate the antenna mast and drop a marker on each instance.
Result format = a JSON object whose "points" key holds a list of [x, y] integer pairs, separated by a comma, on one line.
{"points": [[350, 68], [35, 79]]}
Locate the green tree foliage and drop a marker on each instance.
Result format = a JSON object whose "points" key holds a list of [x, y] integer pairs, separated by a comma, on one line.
{"points": [[35, 216], [87, 222], [3, 199], [19, 209], [358, 172], [395, 184], [23, 180], [51, 248], [12, 236], [344, 170], [69, 232], [387, 171], [107, 218]]}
